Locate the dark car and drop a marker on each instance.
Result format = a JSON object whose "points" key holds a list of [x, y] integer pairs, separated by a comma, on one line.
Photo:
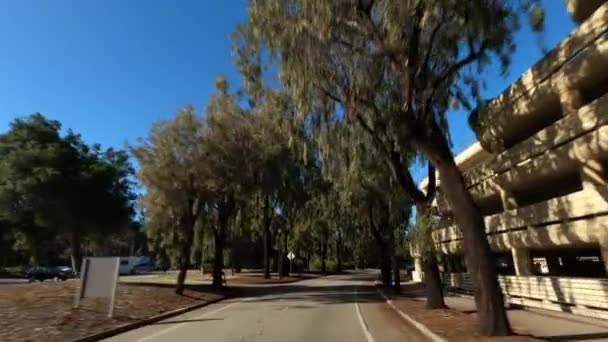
{"points": [[44, 273]]}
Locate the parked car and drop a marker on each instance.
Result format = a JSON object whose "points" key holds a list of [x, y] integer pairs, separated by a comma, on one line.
{"points": [[44, 273], [134, 265], [66, 271]]}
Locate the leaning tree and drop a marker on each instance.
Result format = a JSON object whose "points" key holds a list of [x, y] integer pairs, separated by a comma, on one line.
{"points": [[395, 68]]}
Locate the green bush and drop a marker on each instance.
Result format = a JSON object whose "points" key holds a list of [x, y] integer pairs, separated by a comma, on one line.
{"points": [[330, 264], [11, 272], [348, 265]]}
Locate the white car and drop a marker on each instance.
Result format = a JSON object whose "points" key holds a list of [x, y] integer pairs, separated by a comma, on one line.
{"points": [[134, 265]]}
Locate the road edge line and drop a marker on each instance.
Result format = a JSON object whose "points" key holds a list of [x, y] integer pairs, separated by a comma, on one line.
{"points": [[366, 332], [421, 327], [180, 324], [146, 321]]}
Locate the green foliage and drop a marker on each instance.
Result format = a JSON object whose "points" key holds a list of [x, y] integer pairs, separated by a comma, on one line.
{"points": [[392, 67], [56, 188], [420, 236], [171, 162]]}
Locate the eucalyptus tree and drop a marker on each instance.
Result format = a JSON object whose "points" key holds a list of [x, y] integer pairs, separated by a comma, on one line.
{"points": [[274, 155], [226, 147], [396, 67], [172, 171], [350, 162], [317, 223], [244, 151]]}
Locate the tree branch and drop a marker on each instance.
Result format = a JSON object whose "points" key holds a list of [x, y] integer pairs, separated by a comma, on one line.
{"points": [[370, 29], [454, 69], [412, 59], [372, 224], [394, 162], [423, 69], [432, 183], [405, 180]]}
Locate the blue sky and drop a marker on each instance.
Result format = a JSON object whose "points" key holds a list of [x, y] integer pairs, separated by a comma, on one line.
{"points": [[107, 69]]}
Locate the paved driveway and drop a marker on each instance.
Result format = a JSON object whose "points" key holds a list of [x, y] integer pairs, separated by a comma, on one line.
{"points": [[333, 308]]}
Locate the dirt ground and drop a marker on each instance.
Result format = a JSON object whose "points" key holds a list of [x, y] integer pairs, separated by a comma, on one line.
{"points": [[245, 277], [258, 278], [452, 324], [43, 311]]}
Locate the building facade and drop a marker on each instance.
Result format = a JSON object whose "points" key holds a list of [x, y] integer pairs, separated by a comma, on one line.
{"points": [[538, 173]]}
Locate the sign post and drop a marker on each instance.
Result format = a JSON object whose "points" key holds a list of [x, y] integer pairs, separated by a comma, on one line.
{"points": [[98, 279], [290, 256]]}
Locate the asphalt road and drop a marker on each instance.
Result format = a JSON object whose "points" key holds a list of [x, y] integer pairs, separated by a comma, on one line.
{"points": [[333, 308]]}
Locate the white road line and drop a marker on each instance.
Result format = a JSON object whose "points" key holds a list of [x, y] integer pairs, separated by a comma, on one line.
{"points": [[177, 325], [421, 327], [364, 326]]}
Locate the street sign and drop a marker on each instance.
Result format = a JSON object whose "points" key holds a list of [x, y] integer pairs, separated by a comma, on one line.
{"points": [[291, 256], [98, 279]]}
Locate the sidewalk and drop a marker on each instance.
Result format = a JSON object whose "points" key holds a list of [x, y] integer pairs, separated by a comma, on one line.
{"points": [[459, 322]]}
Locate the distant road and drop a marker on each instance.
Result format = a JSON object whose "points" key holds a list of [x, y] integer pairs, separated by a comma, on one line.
{"points": [[334, 308], [13, 281]]}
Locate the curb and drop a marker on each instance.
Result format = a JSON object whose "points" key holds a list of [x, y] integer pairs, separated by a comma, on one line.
{"points": [[421, 327], [146, 321]]}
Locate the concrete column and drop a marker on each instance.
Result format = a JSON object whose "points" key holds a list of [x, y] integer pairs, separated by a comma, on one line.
{"points": [[508, 200], [553, 265], [604, 250], [506, 196], [571, 100], [592, 174], [417, 275], [522, 261]]}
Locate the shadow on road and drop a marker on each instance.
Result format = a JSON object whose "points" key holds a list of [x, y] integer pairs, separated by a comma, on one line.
{"points": [[335, 289]]}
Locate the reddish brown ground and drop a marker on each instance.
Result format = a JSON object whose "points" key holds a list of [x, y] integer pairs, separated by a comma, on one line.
{"points": [[451, 324], [42, 311], [258, 278]]}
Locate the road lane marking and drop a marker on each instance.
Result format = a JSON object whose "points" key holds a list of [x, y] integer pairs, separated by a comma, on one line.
{"points": [[364, 326], [177, 325], [421, 327]]}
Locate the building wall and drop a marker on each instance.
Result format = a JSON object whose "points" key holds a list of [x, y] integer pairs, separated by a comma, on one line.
{"points": [[544, 185], [539, 171]]}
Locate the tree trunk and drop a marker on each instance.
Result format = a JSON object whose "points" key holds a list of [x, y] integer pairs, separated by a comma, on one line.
{"points": [[218, 261], [324, 255], [385, 259], [339, 252], [280, 254], [432, 278], [266, 252], [284, 256], [432, 282], [385, 268], [275, 256], [202, 248], [184, 263], [395, 263], [132, 246], [267, 222], [488, 296], [76, 255], [396, 276]]}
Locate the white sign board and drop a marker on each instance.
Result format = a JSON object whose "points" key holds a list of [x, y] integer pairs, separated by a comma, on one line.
{"points": [[291, 256], [98, 279]]}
